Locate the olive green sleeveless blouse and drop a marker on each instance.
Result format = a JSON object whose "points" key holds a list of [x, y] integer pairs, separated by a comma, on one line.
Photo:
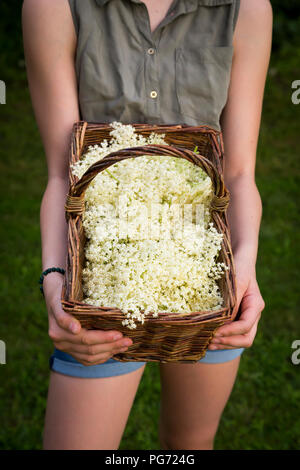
{"points": [[179, 74]]}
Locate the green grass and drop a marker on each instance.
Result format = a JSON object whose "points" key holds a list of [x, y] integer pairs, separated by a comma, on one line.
{"points": [[264, 407]]}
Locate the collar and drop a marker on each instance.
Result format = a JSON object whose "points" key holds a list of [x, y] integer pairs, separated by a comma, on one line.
{"points": [[207, 3], [103, 2]]}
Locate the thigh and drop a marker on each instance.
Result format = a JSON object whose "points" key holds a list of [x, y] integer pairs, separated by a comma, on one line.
{"points": [[88, 413], [193, 397]]}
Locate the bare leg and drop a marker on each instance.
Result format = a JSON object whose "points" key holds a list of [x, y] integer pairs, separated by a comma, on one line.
{"points": [[88, 413], [192, 401]]}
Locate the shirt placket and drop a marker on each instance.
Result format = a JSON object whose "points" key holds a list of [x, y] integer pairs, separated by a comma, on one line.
{"points": [[150, 43]]}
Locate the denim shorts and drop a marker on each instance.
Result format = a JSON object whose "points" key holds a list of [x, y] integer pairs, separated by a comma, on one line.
{"points": [[65, 364]]}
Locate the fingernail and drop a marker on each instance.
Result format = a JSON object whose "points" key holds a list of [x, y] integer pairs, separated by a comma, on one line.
{"points": [[212, 347], [117, 336], [127, 342], [74, 327]]}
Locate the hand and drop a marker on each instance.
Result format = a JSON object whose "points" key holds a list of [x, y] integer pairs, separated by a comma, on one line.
{"points": [[241, 333], [89, 347]]}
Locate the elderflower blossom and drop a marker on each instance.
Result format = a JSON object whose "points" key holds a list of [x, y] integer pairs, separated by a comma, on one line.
{"points": [[148, 250]]}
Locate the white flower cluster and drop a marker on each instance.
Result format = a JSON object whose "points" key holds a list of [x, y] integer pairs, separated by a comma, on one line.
{"points": [[151, 246]]}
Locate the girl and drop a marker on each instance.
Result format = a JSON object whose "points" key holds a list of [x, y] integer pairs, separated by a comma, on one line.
{"points": [[156, 61]]}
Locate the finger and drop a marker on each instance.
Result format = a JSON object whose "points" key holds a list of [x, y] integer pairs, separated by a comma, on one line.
{"points": [[251, 306], [65, 320], [92, 360], [234, 342], [249, 316], [237, 341], [87, 360], [85, 337], [90, 337], [95, 349], [241, 287], [220, 347], [240, 327]]}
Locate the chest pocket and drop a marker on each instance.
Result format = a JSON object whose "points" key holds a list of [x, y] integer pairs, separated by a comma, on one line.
{"points": [[202, 78]]}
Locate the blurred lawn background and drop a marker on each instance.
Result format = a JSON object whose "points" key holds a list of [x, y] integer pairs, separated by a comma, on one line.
{"points": [[264, 408]]}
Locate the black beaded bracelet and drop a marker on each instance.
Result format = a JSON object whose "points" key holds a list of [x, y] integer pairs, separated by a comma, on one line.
{"points": [[47, 271]]}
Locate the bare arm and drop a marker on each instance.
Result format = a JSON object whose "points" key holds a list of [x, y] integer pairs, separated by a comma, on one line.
{"points": [[240, 125], [49, 48], [50, 44]]}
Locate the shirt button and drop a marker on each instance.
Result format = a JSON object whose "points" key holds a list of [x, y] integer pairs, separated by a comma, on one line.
{"points": [[153, 94], [151, 50]]}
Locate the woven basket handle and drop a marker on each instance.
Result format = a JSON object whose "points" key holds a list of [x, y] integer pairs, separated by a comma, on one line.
{"points": [[75, 199]]}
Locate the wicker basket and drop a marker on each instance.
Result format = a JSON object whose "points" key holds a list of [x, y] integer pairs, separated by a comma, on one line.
{"points": [[171, 337]]}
